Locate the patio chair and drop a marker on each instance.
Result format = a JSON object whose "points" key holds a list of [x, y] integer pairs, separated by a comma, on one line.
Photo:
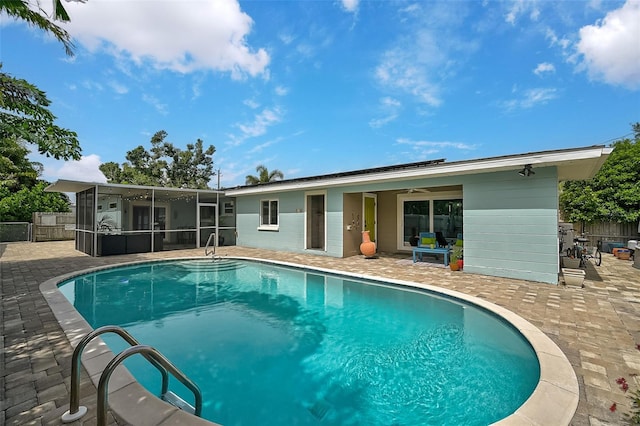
{"points": [[428, 243]]}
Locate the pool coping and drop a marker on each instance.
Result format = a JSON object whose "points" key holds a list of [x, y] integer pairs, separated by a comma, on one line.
{"points": [[553, 401]]}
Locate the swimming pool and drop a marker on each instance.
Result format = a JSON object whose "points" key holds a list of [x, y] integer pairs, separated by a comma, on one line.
{"points": [[296, 346]]}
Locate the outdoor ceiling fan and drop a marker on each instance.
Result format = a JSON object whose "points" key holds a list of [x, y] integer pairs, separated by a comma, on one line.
{"points": [[414, 190]]}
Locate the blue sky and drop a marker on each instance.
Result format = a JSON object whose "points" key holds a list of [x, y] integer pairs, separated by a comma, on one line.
{"points": [[315, 87]]}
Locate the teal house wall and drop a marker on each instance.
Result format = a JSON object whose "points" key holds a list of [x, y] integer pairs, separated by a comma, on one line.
{"points": [[290, 235], [511, 225], [510, 221], [509, 208]]}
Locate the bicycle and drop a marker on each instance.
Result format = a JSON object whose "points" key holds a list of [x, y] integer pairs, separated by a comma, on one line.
{"points": [[582, 251]]}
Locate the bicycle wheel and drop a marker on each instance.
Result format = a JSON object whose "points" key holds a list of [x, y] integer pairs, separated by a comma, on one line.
{"points": [[598, 257], [569, 252]]}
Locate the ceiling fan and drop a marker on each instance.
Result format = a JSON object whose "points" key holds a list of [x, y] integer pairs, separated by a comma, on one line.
{"points": [[417, 190]]}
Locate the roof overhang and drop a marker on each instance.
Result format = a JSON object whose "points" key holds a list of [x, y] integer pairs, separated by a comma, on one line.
{"points": [[571, 164], [73, 186]]}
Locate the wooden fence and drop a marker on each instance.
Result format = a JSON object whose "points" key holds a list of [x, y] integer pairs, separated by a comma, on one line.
{"points": [[53, 226], [609, 231]]}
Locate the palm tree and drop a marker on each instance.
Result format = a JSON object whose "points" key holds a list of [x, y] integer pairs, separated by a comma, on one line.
{"points": [[20, 9], [264, 176]]}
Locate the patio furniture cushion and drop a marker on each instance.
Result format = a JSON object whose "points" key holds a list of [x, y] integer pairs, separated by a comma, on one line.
{"points": [[427, 243]]}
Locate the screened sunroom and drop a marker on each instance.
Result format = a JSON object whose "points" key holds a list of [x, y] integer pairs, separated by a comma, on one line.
{"points": [[121, 219]]}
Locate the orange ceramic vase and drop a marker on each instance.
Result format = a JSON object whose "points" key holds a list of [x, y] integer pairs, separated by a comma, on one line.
{"points": [[368, 247]]}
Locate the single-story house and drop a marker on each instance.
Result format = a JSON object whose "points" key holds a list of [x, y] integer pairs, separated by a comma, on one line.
{"points": [[505, 208]]}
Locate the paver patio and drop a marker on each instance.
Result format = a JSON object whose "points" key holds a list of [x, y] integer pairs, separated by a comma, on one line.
{"points": [[597, 327]]}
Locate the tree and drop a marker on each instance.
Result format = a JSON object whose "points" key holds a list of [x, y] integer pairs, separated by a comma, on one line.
{"points": [[613, 195], [16, 170], [24, 113], [164, 165], [264, 176], [24, 116], [21, 192], [19, 206], [20, 9]]}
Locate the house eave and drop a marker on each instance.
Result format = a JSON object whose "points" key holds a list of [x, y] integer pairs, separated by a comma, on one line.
{"points": [[572, 164]]}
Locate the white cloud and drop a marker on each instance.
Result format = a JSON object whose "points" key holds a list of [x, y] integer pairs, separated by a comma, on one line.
{"points": [[390, 102], [251, 103], [155, 102], [305, 50], [258, 127], [262, 121], [262, 146], [531, 98], [383, 121], [174, 35], [281, 90], [423, 149], [543, 68], [610, 48], [554, 40], [84, 170], [401, 69], [429, 53], [286, 38], [120, 89], [350, 5], [439, 145], [522, 7], [196, 85], [92, 86], [389, 107]]}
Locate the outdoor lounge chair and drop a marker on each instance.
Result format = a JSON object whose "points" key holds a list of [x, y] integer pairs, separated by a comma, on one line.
{"points": [[428, 243]]}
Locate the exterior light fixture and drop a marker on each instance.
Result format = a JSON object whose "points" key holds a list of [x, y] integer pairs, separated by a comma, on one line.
{"points": [[527, 171]]}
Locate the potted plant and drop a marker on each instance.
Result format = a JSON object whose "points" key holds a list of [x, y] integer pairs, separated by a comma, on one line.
{"points": [[456, 255]]}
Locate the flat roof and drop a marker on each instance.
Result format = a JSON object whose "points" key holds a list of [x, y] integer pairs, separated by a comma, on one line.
{"points": [[572, 164], [63, 185]]}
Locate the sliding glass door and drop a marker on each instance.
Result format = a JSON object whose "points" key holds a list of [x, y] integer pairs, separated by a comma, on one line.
{"points": [[414, 220], [428, 213], [447, 218]]}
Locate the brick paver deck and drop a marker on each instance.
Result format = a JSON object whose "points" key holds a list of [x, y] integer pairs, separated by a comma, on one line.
{"points": [[597, 327]]}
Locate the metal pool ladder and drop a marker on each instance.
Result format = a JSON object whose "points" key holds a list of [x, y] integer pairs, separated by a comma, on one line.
{"points": [[210, 247], [212, 252], [152, 355]]}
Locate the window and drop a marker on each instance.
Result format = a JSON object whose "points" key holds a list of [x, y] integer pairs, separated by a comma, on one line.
{"points": [[227, 208], [269, 215], [441, 213]]}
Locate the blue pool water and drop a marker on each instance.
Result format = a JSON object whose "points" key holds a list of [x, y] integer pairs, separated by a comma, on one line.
{"points": [[274, 345]]}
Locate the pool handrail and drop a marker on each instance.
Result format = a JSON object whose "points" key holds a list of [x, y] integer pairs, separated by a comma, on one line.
{"points": [[76, 411], [206, 246], [148, 352]]}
